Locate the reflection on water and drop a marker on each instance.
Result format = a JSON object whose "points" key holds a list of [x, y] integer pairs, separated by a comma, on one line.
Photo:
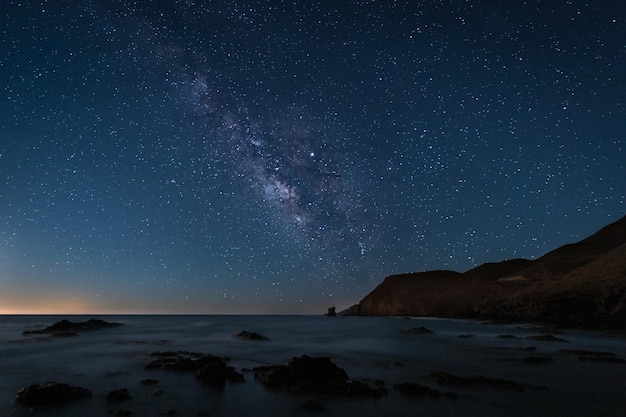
{"points": [[367, 348]]}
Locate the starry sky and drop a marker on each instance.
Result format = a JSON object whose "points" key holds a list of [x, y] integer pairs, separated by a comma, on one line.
{"points": [[285, 156]]}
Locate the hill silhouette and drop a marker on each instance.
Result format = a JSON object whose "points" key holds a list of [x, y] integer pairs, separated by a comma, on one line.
{"points": [[581, 284]]}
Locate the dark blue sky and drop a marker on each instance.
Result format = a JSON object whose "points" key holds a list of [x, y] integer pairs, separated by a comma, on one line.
{"points": [[285, 156]]}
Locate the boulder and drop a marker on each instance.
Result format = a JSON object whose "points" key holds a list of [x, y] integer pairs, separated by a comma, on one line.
{"points": [[418, 330], [51, 393], [207, 368], [318, 375], [416, 390], [250, 336], [66, 328]]}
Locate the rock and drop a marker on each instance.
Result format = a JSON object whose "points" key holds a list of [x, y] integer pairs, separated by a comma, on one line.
{"points": [[416, 390], [250, 336], [120, 394], [216, 373], [65, 328], [149, 381], [207, 368], [122, 413], [546, 338], [418, 330], [445, 378], [331, 312], [318, 375], [51, 393]]}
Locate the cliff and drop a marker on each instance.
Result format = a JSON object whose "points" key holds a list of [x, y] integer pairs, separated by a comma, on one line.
{"points": [[580, 284]]}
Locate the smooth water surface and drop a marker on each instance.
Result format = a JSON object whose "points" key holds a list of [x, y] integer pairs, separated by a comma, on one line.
{"points": [[368, 348]]}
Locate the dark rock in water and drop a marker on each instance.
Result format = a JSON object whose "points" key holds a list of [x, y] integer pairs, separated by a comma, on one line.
{"points": [[536, 360], [331, 312], [149, 381], [51, 393], [546, 338], [120, 394], [507, 336], [66, 328], [466, 336], [215, 372], [122, 413], [418, 330], [250, 336], [170, 412], [445, 378], [319, 375], [416, 390], [207, 368]]}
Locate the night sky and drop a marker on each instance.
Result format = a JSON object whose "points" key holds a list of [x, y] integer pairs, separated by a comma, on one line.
{"points": [[285, 156]]}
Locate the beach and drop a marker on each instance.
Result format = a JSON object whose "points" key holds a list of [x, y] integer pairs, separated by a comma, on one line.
{"points": [[500, 369]]}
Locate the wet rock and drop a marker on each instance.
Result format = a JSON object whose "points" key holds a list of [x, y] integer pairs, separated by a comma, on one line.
{"points": [[416, 390], [318, 375], [51, 393], [215, 372], [250, 336], [445, 378], [65, 328], [418, 330], [149, 381], [210, 369], [120, 394], [546, 338]]}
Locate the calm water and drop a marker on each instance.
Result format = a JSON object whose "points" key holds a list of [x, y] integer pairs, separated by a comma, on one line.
{"points": [[367, 348]]}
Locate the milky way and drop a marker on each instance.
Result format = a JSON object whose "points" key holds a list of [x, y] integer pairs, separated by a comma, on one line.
{"points": [[209, 156]]}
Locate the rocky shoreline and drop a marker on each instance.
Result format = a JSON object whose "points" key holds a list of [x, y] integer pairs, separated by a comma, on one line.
{"points": [[313, 382]]}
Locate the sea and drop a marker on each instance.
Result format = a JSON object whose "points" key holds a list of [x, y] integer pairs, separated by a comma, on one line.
{"points": [[370, 349]]}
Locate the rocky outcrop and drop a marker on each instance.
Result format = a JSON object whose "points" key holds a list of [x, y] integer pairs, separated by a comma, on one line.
{"points": [[213, 370], [246, 335], [311, 375], [67, 328], [51, 394], [581, 284]]}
